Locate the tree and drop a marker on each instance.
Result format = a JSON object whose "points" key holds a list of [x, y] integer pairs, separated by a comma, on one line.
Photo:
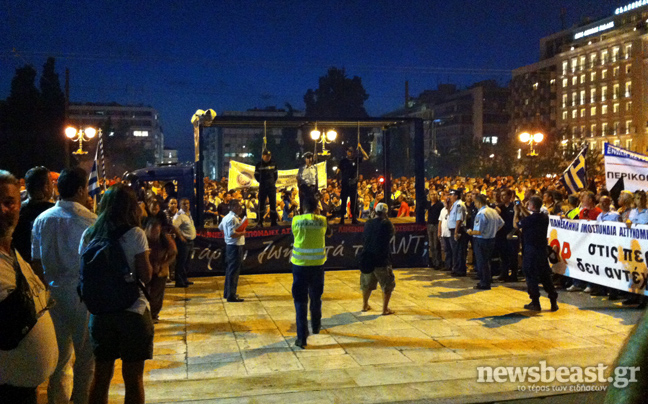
{"points": [[52, 115]]}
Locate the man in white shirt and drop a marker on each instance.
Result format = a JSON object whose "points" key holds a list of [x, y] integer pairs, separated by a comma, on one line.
{"points": [[56, 235], [234, 245], [185, 225], [445, 234]]}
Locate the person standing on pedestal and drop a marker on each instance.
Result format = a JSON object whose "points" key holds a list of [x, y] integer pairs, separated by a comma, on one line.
{"points": [[307, 180], [348, 172], [266, 175]]}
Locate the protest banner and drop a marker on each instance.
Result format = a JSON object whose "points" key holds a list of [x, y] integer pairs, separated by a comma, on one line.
{"points": [[242, 176], [603, 253], [268, 250], [625, 169]]}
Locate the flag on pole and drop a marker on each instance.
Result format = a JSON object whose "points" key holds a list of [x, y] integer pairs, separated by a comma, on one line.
{"points": [[93, 182], [574, 178]]}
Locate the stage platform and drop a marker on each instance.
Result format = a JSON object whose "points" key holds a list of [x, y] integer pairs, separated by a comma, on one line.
{"points": [[211, 351]]}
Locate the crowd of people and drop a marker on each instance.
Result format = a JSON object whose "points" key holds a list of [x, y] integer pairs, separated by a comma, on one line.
{"points": [[47, 226]]}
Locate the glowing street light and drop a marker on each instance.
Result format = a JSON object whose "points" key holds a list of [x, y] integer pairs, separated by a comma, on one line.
{"points": [[526, 137], [81, 135], [323, 138]]}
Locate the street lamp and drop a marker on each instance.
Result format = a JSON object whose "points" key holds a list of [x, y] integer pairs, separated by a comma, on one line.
{"points": [[323, 138], [526, 137], [81, 135]]}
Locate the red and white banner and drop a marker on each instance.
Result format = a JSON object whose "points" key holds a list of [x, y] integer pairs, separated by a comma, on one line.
{"points": [[607, 253]]}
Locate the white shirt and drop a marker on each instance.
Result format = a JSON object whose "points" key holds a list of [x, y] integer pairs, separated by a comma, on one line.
{"points": [[229, 224], [133, 242], [309, 175], [185, 225], [34, 359], [56, 234], [443, 219]]}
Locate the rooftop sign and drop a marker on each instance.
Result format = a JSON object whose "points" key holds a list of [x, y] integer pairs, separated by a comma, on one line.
{"points": [[597, 29], [630, 7]]}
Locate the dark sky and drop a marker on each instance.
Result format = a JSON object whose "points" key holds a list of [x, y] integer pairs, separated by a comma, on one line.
{"points": [[179, 56]]}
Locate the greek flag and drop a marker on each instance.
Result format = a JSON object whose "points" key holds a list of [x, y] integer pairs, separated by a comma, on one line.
{"points": [[575, 176], [93, 182]]}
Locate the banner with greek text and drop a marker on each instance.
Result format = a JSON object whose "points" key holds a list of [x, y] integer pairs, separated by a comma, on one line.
{"points": [[625, 169], [606, 253], [242, 176], [268, 250]]}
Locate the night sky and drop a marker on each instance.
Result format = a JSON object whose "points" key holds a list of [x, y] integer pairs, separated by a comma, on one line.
{"points": [[179, 56]]}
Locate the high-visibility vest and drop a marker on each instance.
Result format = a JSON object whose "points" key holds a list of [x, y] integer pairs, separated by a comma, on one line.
{"points": [[309, 231]]}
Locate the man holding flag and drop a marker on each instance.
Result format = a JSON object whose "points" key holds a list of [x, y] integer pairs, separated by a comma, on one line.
{"points": [[574, 178]]}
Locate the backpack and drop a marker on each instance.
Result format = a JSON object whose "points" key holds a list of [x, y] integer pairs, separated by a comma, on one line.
{"points": [[106, 283]]}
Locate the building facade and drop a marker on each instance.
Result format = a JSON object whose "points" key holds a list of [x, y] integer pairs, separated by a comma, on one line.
{"points": [[131, 128], [600, 81]]}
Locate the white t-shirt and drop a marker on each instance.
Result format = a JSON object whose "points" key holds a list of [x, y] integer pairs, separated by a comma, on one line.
{"points": [[443, 218], [34, 359], [133, 242]]}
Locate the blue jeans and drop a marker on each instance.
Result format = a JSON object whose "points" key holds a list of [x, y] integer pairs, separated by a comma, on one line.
{"points": [[233, 264], [483, 248], [447, 251], [184, 252], [459, 251], [307, 282]]}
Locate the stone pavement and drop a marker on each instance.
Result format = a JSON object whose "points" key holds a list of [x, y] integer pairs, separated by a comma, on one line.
{"points": [[208, 350]]}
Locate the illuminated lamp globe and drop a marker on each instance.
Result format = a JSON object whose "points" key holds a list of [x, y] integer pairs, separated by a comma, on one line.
{"points": [[538, 137], [331, 135], [70, 132], [315, 134], [525, 137], [90, 132]]}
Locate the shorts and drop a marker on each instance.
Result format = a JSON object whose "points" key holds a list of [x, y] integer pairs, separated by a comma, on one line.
{"points": [[383, 275], [126, 335]]}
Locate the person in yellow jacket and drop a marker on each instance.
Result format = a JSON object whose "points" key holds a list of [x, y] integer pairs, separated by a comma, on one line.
{"points": [[308, 258]]}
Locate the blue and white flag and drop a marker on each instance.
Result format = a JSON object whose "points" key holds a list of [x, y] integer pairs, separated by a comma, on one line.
{"points": [[93, 181], [575, 176], [625, 169]]}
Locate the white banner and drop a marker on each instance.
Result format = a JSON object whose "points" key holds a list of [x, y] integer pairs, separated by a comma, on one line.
{"points": [[606, 253], [242, 176], [624, 165]]}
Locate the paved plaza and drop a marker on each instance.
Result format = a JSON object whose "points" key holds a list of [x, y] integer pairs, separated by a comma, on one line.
{"points": [[211, 351]]}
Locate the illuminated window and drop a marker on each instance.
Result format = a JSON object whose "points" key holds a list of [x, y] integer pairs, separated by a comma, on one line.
{"points": [[629, 106], [582, 97], [617, 142], [604, 93], [615, 72], [604, 56], [574, 114], [593, 76], [593, 111], [593, 130], [582, 112], [604, 74], [574, 99], [593, 95], [582, 79], [604, 109], [592, 59], [615, 91], [140, 133], [615, 130], [565, 83], [564, 115], [574, 81], [628, 88], [494, 139], [628, 126], [627, 68], [593, 145], [604, 129], [581, 62], [627, 50], [573, 63], [564, 100], [565, 67], [535, 86], [615, 54], [582, 130]]}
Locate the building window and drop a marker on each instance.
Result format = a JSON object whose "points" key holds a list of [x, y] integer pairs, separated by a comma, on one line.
{"points": [[593, 145], [604, 109], [564, 115], [582, 97], [592, 59], [573, 63], [140, 133], [574, 99], [627, 50], [617, 142], [574, 132], [574, 81], [593, 130], [593, 111], [629, 144], [535, 86], [615, 72], [564, 100], [593, 76], [494, 139], [628, 88], [615, 54], [581, 62], [582, 130], [565, 82], [593, 95], [615, 129], [574, 114], [628, 68], [582, 113], [615, 91], [604, 56], [582, 79], [604, 129], [629, 106], [628, 126], [604, 74], [565, 67], [615, 108], [604, 93]]}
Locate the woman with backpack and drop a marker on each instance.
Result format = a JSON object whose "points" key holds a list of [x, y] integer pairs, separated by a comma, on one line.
{"points": [[163, 253], [127, 333]]}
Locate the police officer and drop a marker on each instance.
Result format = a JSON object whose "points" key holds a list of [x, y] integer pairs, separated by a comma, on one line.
{"points": [[307, 180], [486, 224], [308, 258], [266, 175], [348, 172]]}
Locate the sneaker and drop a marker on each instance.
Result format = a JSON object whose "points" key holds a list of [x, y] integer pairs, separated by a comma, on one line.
{"points": [[588, 289], [574, 288]]}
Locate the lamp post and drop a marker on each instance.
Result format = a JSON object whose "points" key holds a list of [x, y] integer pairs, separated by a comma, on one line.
{"points": [[526, 137], [323, 138], [81, 135]]}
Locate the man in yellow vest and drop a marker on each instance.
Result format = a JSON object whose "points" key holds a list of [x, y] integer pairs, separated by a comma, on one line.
{"points": [[308, 258]]}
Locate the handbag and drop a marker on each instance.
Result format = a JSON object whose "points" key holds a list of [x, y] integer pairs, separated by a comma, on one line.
{"points": [[17, 312]]}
